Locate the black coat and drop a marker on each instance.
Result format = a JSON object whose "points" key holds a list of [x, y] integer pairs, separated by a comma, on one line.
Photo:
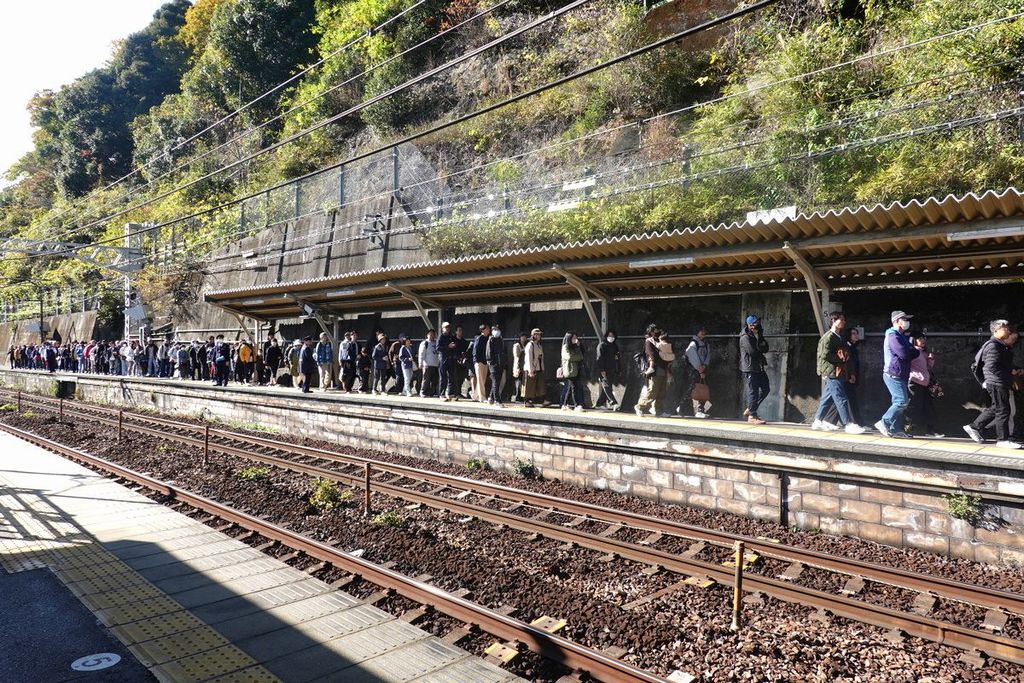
{"points": [[307, 363]]}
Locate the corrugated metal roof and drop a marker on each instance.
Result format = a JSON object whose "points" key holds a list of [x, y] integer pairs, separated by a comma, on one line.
{"points": [[850, 243]]}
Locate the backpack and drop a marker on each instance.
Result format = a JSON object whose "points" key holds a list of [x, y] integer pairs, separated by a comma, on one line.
{"points": [[641, 362], [978, 366]]}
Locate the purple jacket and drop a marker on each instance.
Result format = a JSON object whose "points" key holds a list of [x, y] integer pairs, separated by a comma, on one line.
{"points": [[897, 351]]}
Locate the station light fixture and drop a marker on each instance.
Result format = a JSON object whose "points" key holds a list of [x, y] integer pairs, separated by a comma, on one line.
{"points": [[660, 262], [1011, 231]]}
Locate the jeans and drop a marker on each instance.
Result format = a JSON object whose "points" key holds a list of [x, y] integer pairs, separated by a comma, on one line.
{"points": [[834, 393], [496, 371], [165, 367], [757, 390], [407, 374], [445, 372], [998, 412], [151, 367], [572, 386], [895, 418]]}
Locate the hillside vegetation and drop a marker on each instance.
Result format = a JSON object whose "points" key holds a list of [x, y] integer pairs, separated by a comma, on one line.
{"points": [[680, 136]]}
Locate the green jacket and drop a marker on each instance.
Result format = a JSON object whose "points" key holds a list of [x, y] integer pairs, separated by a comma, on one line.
{"points": [[828, 355], [571, 360]]}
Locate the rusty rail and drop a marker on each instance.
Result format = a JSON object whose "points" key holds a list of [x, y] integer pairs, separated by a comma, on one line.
{"points": [[551, 646], [912, 624]]}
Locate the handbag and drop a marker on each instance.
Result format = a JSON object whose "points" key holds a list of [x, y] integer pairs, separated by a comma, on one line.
{"points": [[700, 392]]}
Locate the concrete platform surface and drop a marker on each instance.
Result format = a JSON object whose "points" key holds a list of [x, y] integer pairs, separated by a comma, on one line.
{"points": [[93, 567]]}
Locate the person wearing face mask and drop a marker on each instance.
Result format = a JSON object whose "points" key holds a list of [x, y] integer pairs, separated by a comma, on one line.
{"points": [[994, 365], [495, 355], [698, 358], [897, 352], [607, 364]]}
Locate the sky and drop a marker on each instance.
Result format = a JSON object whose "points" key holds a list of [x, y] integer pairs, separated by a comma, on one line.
{"points": [[47, 43]]}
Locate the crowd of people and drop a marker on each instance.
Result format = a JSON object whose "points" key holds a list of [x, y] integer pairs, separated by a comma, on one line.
{"points": [[452, 367]]}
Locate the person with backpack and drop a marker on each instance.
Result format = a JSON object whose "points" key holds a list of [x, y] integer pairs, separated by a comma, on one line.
{"points": [[654, 371], [993, 367], [698, 358], [897, 353], [221, 361], [307, 364], [832, 358], [753, 361], [495, 354], [430, 361]]}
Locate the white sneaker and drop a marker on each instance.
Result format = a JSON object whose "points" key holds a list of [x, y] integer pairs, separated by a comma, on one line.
{"points": [[816, 425], [974, 434], [854, 428], [882, 429], [700, 415], [1007, 444], [823, 426], [565, 408], [578, 409], [639, 411]]}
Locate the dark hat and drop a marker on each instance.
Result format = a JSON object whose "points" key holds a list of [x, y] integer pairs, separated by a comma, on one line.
{"points": [[896, 315], [307, 338]]}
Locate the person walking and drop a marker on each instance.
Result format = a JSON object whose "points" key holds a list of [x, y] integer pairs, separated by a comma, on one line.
{"points": [[495, 364], [753, 361], [519, 367], [698, 359], [832, 358], [569, 372], [430, 361], [221, 361], [307, 363], [897, 352], [446, 361], [608, 365], [274, 359], [324, 356], [654, 371], [407, 361], [533, 366], [381, 364], [994, 367], [348, 351], [922, 399], [480, 371]]}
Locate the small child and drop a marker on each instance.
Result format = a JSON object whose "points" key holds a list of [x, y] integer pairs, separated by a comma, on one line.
{"points": [[665, 350], [363, 364]]}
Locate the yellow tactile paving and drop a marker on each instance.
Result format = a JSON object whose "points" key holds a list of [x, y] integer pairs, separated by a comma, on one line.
{"points": [[204, 666]]}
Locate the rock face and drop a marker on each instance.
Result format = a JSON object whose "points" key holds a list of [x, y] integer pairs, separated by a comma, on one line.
{"points": [[671, 16]]}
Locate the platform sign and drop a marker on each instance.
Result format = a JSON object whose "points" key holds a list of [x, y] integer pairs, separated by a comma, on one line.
{"points": [[96, 662]]}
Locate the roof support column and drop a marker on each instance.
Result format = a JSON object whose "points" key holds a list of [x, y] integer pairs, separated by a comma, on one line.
{"points": [[587, 292], [814, 282], [421, 304], [245, 328]]}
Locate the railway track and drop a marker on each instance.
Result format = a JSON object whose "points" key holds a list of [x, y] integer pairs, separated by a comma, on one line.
{"points": [[551, 646], [527, 511]]}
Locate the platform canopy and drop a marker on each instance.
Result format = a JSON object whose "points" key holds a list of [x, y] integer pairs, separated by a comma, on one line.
{"points": [[969, 238]]}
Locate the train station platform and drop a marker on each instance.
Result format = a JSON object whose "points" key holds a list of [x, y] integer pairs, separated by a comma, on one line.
{"points": [[103, 583], [948, 496]]}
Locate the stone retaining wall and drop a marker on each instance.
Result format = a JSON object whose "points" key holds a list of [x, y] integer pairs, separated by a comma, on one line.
{"points": [[887, 503]]}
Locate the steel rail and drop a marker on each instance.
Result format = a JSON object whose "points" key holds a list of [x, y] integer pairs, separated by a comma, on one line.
{"points": [[549, 645], [982, 596], [909, 623]]}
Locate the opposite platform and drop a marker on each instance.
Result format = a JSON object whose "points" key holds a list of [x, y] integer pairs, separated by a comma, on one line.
{"points": [[190, 603]]}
